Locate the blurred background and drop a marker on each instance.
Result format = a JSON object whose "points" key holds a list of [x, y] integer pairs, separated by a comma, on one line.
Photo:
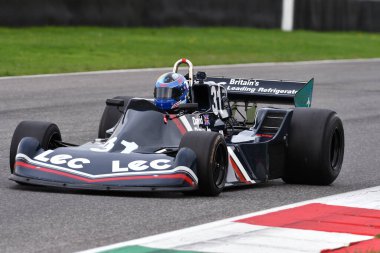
{"points": [[55, 36], [363, 15]]}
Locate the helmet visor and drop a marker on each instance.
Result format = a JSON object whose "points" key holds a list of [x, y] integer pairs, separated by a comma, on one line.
{"points": [[167, 93]]}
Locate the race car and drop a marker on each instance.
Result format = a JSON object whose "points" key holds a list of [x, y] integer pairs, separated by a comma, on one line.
{"points": [[229, 134]]}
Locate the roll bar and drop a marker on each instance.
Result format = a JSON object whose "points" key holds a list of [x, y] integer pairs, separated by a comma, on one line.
{"points": [[189, 64]]}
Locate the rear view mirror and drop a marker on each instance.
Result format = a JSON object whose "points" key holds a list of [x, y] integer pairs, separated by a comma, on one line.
{"points": [[201, 75], [115, 102], [188, 106]]}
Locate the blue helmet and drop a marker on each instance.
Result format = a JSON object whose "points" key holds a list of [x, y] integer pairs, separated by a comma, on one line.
{"points": [[171, 89]]}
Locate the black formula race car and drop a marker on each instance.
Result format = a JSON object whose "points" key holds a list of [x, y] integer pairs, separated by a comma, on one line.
{"points": [[221, 139]]}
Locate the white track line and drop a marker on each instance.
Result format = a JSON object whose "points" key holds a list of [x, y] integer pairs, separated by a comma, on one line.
{"points": [[118, 71]]}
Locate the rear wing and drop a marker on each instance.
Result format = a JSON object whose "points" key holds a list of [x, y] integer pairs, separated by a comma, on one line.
{"points": [[298, 94]]}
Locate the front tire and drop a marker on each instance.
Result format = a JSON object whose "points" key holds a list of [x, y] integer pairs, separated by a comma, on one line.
{"points": [[315, 147], [212, 160], [45, 132]]}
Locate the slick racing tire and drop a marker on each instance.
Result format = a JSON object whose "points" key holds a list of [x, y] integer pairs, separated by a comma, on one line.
{"points": [[315, 147], [212, 160], [45, 132], [111, 116]]}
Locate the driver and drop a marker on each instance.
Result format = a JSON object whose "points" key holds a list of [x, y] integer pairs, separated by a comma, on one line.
{"points": [[171, 90]]}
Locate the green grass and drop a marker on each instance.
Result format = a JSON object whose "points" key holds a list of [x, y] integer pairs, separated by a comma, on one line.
{"points": [[70, 49]]}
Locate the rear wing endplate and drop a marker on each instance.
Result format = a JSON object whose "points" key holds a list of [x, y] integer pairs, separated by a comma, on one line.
{"points": [[298, 94]]}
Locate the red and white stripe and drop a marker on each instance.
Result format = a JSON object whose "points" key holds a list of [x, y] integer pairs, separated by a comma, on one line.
{"points": [[241, 173], [186, 123], [341, 223]]}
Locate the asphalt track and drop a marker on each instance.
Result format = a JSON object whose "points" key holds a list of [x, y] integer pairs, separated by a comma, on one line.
{"points": [[36, 219]]}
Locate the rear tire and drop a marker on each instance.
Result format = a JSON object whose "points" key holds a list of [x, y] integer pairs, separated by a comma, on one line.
{"points": [[111, 116], [45, 132], [212, 160], [315, 147]]}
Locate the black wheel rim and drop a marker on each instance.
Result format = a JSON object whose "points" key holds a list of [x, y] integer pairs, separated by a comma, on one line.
{"points": [[220, 168], [52, 144], [335, 149]]}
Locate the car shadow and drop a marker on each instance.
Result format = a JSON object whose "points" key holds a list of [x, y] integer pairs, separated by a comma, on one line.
{"points": [[139, 194], [113, 193]]}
